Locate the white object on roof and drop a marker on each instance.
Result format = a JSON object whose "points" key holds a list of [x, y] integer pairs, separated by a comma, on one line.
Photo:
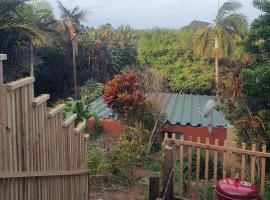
{"points": [[209, 107]]}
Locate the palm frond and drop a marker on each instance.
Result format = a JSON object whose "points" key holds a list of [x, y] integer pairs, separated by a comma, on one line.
{"points": [[235, 24], [64, 11], [229, 7], [81, 15], [75, 10], [204, 42], [28, 28]]}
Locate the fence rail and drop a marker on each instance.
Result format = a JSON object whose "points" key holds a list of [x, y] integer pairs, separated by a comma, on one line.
{"points": [[200, 165], [41, 156]]}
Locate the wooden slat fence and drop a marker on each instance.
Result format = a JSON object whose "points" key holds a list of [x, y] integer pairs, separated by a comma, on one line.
{"points": [[199, 166], [42, 157]]}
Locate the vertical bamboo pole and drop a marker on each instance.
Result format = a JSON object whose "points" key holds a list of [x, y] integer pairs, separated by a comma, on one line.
{"points": [[252, 167], [234, 161], [263, 171], [224, 172], [181, 160], [198, 163], [16, 113], [189, 169], [215, 163], [206, 169], [243, 163], [215, 167]]}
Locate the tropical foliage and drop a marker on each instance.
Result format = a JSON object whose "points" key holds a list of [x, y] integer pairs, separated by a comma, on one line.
{"points": [[219, 40], [91, 90], [78, 107], [258, 39], [165, 51], [70, 23], [21, 24], [123, 94], [245, 89]]}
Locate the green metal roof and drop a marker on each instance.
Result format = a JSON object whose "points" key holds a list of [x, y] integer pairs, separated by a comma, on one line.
{"points": [[187, 110], [179, 109], [100, 108]]}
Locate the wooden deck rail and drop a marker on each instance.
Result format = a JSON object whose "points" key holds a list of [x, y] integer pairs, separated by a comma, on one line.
{"points": [[42, 156], [250, 164]]}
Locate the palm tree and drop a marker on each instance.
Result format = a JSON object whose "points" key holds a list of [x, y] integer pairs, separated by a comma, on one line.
{"points": [[218, 40], [39, 14], [70, 22], [27, 17]]}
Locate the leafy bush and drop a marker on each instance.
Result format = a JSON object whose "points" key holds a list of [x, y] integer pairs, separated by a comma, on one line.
{"points": [[91, 90], [97, 161], [267, 189], [129, 151], [187, 76], [78, 107], [123, 94], [165, 50], [152, 164]]}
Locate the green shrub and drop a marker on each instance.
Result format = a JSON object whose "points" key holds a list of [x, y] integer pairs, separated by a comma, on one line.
{"points": [[267, 189], [127, 152], [98, 161], [78, 107], [152, 164], [91, 90]]}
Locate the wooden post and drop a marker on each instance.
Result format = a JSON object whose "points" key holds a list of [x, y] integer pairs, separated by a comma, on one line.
{"points": [[181, 163], [167, 164], [252, 167], [2, 57], [198, 159], [263, 171], [167, 168], [206, 170], [189, 165], [154, 186], [243, 164]]}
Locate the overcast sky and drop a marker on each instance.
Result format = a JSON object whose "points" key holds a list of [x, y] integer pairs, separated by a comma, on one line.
{"points": [[150, 13]]}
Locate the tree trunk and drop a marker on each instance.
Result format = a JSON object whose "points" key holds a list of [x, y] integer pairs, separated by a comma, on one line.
{"points": [[31, 55], [216, 61], [74, 69]]}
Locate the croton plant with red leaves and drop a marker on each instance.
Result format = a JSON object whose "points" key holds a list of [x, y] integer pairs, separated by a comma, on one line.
{"points": [[124, 94]]}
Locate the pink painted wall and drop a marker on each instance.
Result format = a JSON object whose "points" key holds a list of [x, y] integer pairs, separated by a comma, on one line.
{"points": [[219, 133], [109, 125], [116, 127]]}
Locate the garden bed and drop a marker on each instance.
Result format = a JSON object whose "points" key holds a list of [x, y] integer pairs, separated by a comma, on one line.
{"points": [[108, 186]]}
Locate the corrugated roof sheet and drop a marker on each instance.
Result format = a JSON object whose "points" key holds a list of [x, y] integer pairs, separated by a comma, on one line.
{"points": [[179, 109], [100, 108], [187, 109]]}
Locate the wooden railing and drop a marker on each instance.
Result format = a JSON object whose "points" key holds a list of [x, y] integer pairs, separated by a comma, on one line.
{"points": [[41, 156], [196, 180]]}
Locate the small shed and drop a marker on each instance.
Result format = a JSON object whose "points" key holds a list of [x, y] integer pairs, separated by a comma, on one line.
{"points": [[185, 118]]}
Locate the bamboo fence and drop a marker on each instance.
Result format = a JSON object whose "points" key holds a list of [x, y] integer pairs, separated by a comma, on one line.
{"points": [[42, 157], [227, 161]]}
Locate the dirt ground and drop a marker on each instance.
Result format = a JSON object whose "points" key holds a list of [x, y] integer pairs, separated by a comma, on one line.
{"points": [[109, 188], [116, 191]]}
